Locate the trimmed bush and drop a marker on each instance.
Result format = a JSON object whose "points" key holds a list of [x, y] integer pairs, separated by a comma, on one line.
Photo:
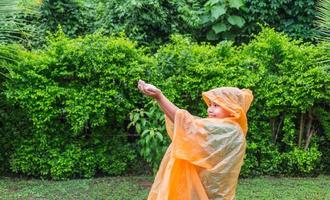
{"points": [[288, 81], [78, 94]]}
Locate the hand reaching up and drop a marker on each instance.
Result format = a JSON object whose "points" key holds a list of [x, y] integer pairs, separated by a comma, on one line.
{"points": [[149, 90], [167, 106]]}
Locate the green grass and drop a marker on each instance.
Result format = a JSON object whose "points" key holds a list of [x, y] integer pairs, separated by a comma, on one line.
{"points": [[136, 188], [284, 188], [121, 188]]}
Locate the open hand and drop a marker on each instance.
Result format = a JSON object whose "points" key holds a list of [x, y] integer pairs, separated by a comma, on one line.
{"points": [[149, 90]]}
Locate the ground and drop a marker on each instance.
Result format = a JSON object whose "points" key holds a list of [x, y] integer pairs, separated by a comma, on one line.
{"points": [[137, 187]]}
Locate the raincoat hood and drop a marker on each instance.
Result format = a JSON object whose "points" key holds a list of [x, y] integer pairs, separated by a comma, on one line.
{"points": [[236, 101]]}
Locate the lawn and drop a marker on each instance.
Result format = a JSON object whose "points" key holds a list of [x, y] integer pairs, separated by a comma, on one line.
{"points": [[136, 188]]}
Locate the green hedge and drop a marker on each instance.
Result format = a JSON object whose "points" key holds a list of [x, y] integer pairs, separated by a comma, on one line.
{"points": [[290, 85], [77, 94], [76, 98]]}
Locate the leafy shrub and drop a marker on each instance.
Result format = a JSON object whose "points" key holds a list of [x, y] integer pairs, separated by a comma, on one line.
{"points": [[188, 69], [152, 22], [287, 81], [79, 82], [149, 124], [72, 160], [295, 18], [77, 93], [149, 22], [116, 157], [14, 123], [301, 162], [222, 19]]}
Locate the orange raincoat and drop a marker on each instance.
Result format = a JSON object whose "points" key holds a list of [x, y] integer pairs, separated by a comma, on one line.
{"points": [[205, 156]]}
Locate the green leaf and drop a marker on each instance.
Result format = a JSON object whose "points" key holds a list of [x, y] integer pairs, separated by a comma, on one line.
{"points": [[136, 117], [147, 152], [148, 137], [152, 133], [236, 20], [218, 10], [236, 3], [205, 18], [8, 6], [144, 122], [211, 35], [129, 125], [144, 132], [160, 136], [228, 36], [219, 27], [138, 128], [211, 2]]}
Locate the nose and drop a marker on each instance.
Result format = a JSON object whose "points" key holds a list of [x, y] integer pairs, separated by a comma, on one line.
{"points": [[209, 110]]}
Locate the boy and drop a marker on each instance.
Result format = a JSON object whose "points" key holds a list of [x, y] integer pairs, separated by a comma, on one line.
{"points": [[205, 157]]}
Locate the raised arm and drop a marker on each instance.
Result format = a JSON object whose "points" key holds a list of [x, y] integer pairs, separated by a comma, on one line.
{"points": [[166, 105]]}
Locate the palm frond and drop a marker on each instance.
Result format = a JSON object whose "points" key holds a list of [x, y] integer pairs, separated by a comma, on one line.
{"points": [[13, 29], [323, 20], [323, 26], [8, 6]]}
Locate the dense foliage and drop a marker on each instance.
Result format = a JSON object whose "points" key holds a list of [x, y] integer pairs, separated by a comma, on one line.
{"points": [[295, 18], [77, 95], [151, 22], [288, 120], [68, 100]]}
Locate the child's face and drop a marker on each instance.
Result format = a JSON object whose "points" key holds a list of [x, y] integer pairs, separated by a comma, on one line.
{"points": [[216, 111]]}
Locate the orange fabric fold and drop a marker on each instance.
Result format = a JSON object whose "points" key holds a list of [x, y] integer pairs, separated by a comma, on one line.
{"points": [[205, 157]]}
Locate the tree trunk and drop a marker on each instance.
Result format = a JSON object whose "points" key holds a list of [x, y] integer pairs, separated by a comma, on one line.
{"points": [[308, 141], [301, 129], [272, 124], [279, 128], [309, 131]]}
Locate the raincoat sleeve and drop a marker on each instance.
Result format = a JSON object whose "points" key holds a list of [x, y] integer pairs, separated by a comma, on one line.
{"points": [[169, 126], [202, 142]]}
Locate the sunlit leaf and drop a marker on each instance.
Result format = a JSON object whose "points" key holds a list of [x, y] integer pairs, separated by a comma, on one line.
{"points": [[219, 27], [217, 11], [236, 20], [236, 3]]}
